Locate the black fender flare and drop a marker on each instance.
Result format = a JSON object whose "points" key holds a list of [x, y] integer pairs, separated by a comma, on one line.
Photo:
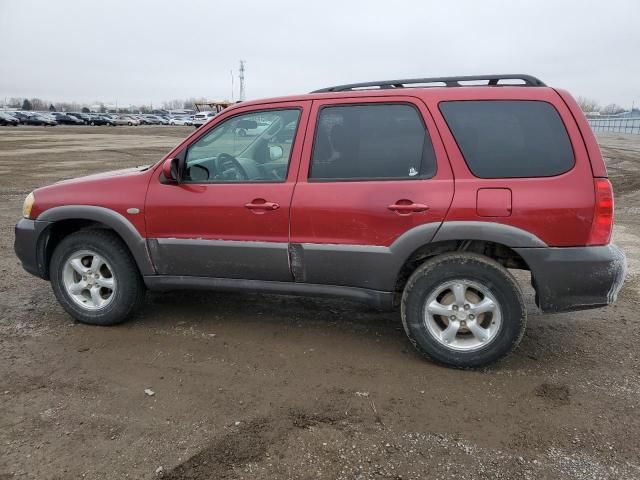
{"points": [[121, 225], [507, 235]]}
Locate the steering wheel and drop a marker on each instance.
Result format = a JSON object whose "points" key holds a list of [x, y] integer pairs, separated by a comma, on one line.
{"points": [[229, 168]]}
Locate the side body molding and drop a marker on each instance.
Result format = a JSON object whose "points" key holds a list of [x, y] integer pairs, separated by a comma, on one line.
{"points": [[378, 267], [123, 227], [507, 235], [362, 266]]}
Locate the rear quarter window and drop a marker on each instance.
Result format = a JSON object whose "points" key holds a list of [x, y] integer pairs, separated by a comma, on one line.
{"points": [[510, 138]]}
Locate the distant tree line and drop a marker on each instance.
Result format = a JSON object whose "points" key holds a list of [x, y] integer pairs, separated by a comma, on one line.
{"points": [[589, 105]]}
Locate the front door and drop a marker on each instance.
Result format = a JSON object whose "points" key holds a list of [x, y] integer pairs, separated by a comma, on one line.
{"points": [[229, 215], [374, 185]]}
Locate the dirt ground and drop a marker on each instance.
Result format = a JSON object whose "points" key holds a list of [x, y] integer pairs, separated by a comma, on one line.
{"points": [[270, 387]]}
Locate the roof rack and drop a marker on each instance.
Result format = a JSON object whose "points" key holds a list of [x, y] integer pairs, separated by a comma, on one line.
{"points": [[529, 81]]}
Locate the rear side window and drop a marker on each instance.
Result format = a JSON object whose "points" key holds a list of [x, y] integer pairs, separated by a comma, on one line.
{"points": [[369, 142], [510, 138]]}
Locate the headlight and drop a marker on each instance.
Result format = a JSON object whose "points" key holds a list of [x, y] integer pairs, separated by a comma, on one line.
{"points": [[28, 204]]}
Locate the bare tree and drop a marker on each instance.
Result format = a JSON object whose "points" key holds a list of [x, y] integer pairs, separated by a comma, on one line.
{"points": [[39, 104], [587, 104], [172, 104], [14, 102], [190, 102], [612, 109]]}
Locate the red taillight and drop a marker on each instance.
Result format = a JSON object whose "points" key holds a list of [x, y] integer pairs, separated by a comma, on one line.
{"points": [[602, 214]]}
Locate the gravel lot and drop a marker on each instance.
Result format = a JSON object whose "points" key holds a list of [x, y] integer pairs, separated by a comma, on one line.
{"points": [[269, 387]]}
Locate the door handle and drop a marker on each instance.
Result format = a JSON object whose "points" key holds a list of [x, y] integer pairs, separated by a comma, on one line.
{"points": [[260, 204], [406, 208]]}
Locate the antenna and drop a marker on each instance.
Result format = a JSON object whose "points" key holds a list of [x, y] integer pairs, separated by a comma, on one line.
{"points": [[241, 77]]}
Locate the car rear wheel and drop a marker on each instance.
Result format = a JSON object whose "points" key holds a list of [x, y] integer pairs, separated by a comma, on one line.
{"points": [[95, 279], [463, 310]]}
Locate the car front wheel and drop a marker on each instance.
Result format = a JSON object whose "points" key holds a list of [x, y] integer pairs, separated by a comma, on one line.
{"points": [[463, 310], [95, 279]]}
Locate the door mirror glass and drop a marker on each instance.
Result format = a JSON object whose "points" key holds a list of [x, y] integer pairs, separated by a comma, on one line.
{"points": [[275, 152]]}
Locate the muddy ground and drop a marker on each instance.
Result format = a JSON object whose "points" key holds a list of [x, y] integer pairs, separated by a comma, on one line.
{"points": [[270, 387]]}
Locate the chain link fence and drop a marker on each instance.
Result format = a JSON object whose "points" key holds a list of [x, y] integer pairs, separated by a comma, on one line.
{"points": [[615, 125]]}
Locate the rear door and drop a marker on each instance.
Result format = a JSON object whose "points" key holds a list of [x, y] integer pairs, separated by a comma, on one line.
{"points": [[374, 183]]}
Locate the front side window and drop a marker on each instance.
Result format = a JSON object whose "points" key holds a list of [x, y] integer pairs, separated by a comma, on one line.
{"points": [[360, 142], [253, 147], [509, 138]]}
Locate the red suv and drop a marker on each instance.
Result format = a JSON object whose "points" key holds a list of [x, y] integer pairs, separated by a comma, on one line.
{"points": [[420, 193]]}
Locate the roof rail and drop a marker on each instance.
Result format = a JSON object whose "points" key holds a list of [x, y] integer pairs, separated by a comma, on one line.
{"points": [[529, 81]]}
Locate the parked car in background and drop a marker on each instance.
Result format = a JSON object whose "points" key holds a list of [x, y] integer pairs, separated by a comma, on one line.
{"points": [[20, 116], [34, 118], [201, 118], [180, 121], [65, 119], [127, 120], [157, 120], [27, 118], [84, 117], [152, 120], [47, 116], [8, 119], [101, 119], [251, 128], [145, 120]]}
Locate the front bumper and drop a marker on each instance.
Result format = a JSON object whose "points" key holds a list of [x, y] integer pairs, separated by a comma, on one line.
{"points": [[28, 248], [575, 278]]}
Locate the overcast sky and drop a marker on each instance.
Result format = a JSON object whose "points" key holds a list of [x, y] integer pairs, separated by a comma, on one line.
{"points": [[142, 51]]}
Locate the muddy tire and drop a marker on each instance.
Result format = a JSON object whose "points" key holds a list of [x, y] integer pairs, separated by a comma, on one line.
{"points": [[463, 310], [95, 278]]}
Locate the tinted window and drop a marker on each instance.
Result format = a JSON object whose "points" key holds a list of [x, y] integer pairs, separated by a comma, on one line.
{"points": [[371, 142], [244, 148], [506, 138]]}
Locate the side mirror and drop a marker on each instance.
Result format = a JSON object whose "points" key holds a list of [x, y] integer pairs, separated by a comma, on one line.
{"points": [[275, 152], [170, 170]]}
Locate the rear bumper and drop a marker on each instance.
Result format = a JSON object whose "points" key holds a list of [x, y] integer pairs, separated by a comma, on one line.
{"points": [[575, 278]]}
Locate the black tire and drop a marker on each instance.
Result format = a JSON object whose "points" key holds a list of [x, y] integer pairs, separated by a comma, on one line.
{"points": [[129, 291], [483, 271]]}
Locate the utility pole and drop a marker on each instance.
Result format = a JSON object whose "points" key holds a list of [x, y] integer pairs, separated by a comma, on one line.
{"points": [[241, 76]]}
